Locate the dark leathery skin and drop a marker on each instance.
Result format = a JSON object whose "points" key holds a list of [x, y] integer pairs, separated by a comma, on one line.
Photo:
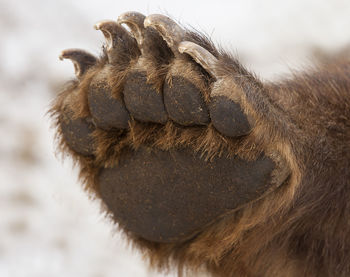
{"points": [[142, 100], [184, 102], [77, 133], [170, 196], [107, 111], [228, 117]]}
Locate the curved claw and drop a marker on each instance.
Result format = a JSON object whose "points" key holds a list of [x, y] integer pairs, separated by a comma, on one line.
{"points": [[171, 32], [118, 39], [110, 30], [200, 55], [134, 21], [81, 60]]}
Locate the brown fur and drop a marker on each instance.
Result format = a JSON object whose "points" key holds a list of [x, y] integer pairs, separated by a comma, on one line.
{"points": [[301, 228]]}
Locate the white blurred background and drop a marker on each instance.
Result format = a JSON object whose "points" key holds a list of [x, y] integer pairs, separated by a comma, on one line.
{"points": [[48, 226]]}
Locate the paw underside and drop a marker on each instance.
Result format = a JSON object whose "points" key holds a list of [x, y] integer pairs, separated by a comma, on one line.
{"points": [[152, 140]]}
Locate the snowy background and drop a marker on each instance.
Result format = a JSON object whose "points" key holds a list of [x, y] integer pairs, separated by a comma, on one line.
{"points": [[48, 226]]}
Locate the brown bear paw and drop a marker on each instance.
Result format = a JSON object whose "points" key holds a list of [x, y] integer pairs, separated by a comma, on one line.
{"points": [[167, 155]]}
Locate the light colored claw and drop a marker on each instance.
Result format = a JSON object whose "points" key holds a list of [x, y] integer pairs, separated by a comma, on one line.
{"points": [[171, 32], [200, 55], [111, 30], [81, 60], [134, 21]]}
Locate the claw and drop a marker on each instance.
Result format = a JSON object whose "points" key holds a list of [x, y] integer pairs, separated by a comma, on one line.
{"points": [[81, 60], [200, 55], [111, 30], [118, 40], [134, 21], [171, 32]]}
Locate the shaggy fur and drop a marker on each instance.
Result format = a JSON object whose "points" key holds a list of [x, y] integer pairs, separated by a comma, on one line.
{"points": [[302, 227]]}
